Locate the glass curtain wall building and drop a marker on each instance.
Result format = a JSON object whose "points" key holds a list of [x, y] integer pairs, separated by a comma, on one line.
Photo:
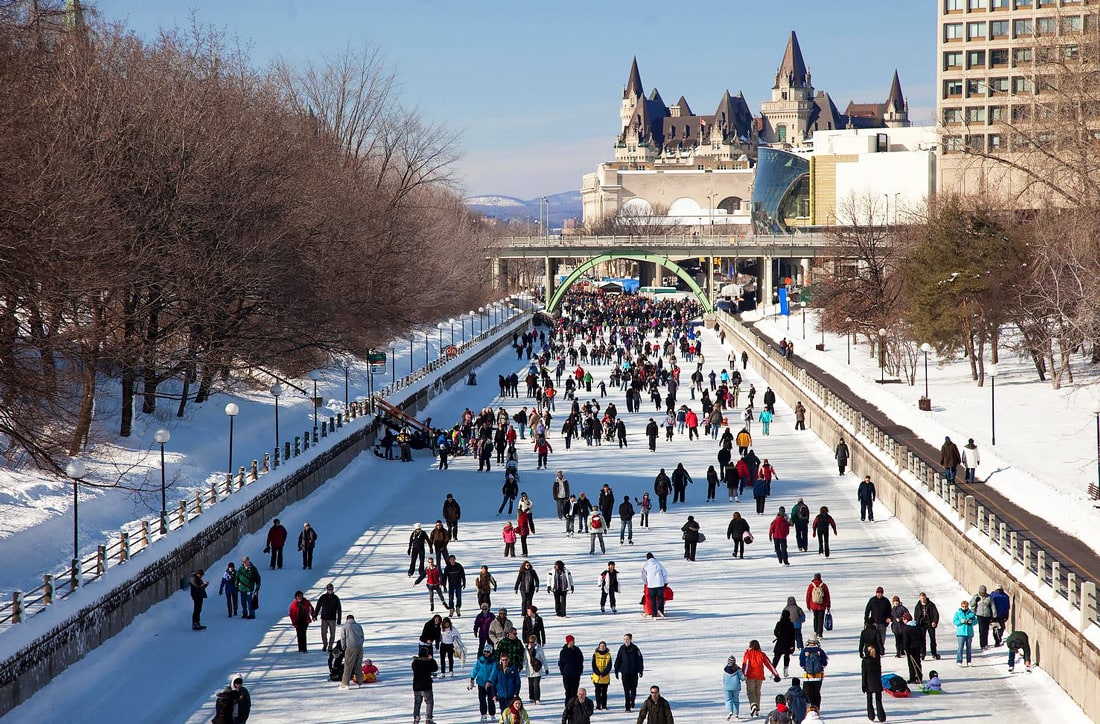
{"points": [[781, 191]]}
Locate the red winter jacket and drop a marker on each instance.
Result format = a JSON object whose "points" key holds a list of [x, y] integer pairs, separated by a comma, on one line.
{"points": [[432, 576], [754, 663], [779, 528], [276, 537], [298, 609]]}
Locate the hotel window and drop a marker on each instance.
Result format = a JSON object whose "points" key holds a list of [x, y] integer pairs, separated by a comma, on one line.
{"points": [[1072, 52], [953, 59], [975, 31], [1047, 3], [996, 114], [1023, 4], [952, 115], [1071, 24], [1021, 56], [977, 4], [1046, 26], [1020, 113], [975, 59], [975, 88], [954, 6], [996, 142], [975, 115], [999, 28], [953, 31], [997, 86], [952, 88], [998, 58], [1023, 28]]}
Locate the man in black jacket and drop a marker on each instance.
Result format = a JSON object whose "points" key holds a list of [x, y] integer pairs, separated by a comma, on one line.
{"points": [[769, 400], [307, 539], [198, 595], [423, 667], [927, 617], [878, 610], [571, 667], [454, 580], [233, 704], [452, 512], [533, 626], [417, 542], [578, 710], [328, 609], [651, 431], [629, 666]]}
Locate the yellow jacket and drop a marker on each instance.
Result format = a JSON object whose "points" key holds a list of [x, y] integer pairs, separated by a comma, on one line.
{"points": [[601, 667]]}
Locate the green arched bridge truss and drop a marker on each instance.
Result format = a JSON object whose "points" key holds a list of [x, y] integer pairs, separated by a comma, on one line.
{"points": [[666, 262]]}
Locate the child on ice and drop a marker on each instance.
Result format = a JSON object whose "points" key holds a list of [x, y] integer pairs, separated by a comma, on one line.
{"points": [[733, 677]]}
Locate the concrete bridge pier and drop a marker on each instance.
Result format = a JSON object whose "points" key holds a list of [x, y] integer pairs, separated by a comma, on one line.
{"points": [[710, 278], [649, 274], [498, 276], [549, 280]]}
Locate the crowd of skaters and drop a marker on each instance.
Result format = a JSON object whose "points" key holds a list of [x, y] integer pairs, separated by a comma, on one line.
{"points": [[617, 334]]}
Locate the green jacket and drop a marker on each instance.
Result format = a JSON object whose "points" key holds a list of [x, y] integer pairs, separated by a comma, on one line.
{"points": [[248, 579], [513, 648]]}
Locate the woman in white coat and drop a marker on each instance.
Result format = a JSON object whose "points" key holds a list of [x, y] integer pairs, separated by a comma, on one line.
{"points": [[536, 667]]}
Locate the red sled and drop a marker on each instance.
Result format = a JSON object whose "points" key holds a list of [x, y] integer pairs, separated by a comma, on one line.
{"points": [[898, 694]]}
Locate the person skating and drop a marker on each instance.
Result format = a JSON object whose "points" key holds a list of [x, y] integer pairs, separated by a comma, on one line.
{"points": [[799, 416], [500, 627], [511, 648], [560, 491], [800, 519], [777, 534], [527, 583], [452, 513], [233, 704], [480, 676], [301, 615], [579, 709], [533, 626], [822, 523], [629, 667], [626, 521], [645, 505], [307, 541], [525, 520], [737, 531], [655, 709], [871, 683], [276, 539], [798, 617], [606, 502], [423, 667], [818, 601], [878, 610], [680, 480], [813, 661], [609, 586], [433, 581], [927, 616], [454, 582], [754, 663], [865, 494], [328, 609], [228, 588], [841, 456], [733, 679], [509, 490], [1001, 607], [570, 666], [601, 673], [449, 641], [655, 579], [662, 486], [651, 432], [691, 536], [197, 586], [760, 495], [559, 583], [485, 585], [505, 682], [784, 641], [596, 526], [536, 666], [418, 539]]}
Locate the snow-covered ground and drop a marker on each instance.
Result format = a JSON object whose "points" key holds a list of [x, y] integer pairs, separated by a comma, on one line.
{"points": [[159, 670], [1046, 451]]}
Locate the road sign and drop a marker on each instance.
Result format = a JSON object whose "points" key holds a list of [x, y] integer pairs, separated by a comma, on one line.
{"points": [[377, 362]]}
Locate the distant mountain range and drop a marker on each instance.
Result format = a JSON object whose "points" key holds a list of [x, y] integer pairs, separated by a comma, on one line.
{"points": [[509, 208]]}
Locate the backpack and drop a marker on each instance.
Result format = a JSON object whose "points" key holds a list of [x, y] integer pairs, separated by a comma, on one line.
{"points": [[813, 663], [818, 594], [596, 522]]}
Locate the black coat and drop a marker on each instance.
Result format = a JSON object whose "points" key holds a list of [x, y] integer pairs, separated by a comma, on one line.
{"points": [[533, 626], [926, 614], [869, 637], [417, 541], [784, 636], [737, 529], [223, 705], [307, 539], [629, 660], [878, 609], [577, 711], [571, 661], [871, 674], [691, 531], [423, 667], [328, 607]]}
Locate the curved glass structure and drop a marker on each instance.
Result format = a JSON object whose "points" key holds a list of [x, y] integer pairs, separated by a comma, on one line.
{"points": [[781, 190]]}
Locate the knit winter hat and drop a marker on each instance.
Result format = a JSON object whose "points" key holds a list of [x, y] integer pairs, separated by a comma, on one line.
{"points": [[569, 639], [417, 526], [731, 661]]}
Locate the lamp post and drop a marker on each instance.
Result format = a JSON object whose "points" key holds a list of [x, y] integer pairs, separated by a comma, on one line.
{"points": [[1096, 412], [886, 219], [393, 366], [926, 348], [710, 211], [346, 364], [412, 351], [75, 471], [315, 375], [163, 436], [276, 392], [896, 195], [993, 404], [471, 314], [440, 351], [452, 323], [848, 337], [481, 320], [882, 355], [231, 410]]}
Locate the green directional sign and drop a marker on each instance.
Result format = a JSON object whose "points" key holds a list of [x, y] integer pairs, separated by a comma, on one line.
{"points": [[377, 362]]}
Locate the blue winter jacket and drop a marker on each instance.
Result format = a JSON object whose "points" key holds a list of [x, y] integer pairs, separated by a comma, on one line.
{"points": [[505, 682], [732, 682], [1000, 604], [760, 488], [964, 623], [483, 670]]}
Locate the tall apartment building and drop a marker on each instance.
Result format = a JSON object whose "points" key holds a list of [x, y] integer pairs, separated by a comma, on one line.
{"points": [[987, 77]]}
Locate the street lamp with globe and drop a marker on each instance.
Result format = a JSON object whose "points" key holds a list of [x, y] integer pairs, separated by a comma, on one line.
{"points": [[992, 369], [882, 355], [315, 376], [231, 411], [162, 437], [276, 392], [75, 470]]}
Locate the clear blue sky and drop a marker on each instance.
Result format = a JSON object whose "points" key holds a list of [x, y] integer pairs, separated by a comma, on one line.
{"points": [[534, 88]]}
